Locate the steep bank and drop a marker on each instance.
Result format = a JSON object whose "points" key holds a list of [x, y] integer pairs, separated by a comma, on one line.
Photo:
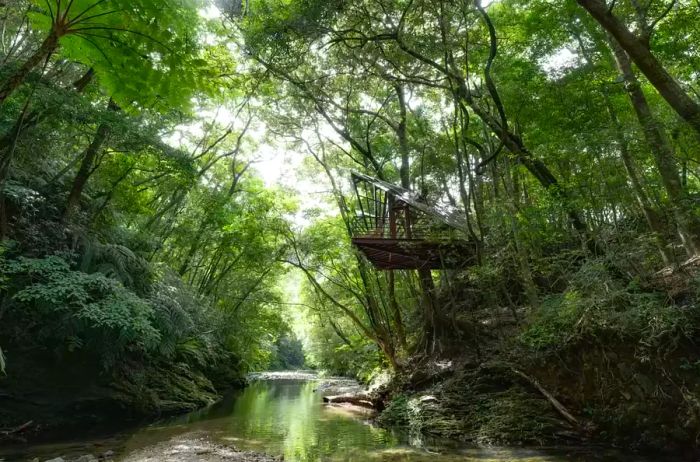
{"points": [[604, 362], [42, 399]]}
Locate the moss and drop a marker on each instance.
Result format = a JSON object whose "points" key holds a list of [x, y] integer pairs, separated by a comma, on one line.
{"points": [[482, 405], [79, 396], [396, 412], [164, 389]]}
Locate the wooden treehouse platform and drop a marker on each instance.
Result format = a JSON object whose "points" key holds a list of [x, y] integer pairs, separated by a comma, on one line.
{"points": [[394, 229]]}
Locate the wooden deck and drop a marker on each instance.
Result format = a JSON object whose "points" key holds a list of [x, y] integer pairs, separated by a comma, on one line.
{"points": [[391, 254]]}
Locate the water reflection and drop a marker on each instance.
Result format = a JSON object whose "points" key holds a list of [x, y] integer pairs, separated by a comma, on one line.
{"points": [[285, 417]]}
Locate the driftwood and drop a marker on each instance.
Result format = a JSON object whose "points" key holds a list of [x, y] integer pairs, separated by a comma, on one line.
{"points": [[356, 400], [555, 402], [13, 433]]}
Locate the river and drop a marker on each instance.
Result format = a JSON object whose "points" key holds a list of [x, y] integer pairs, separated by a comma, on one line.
{"points": [[286, 417]]}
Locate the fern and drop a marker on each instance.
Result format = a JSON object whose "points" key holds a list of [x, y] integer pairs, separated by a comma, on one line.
{"points": [[118, 262]]}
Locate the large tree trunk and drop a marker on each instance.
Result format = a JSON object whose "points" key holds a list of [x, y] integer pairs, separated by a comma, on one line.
{"points": [[426, 279], [648, 64], [48, 46], [660, 145]]}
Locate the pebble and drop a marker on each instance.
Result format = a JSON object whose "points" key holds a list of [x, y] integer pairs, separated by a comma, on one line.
{"points": [[86, 458]]}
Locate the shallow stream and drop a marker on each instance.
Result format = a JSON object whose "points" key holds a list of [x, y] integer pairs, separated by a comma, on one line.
{"points": [[286, 417]]}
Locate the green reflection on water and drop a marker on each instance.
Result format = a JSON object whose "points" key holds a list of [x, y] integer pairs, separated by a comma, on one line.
{"points": [[284, 417]]}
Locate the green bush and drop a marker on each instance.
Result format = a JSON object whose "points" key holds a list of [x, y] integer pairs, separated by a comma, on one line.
{"points": [[599, 305], [74, 309]]}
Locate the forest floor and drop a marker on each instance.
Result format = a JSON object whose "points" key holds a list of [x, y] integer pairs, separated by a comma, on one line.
{"points": [[609, 364]]}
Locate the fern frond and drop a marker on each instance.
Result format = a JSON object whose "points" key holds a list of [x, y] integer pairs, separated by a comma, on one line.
{"points": [[115, 261]]}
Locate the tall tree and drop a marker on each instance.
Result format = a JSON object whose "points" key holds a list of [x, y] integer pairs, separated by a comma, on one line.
{"points": [[638, 49]]}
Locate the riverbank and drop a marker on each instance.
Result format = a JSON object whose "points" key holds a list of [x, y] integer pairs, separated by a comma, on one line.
{"points": [[195, 447], [494, 405], [286, 417], [191, 447], [605, 362], [42, 402]]}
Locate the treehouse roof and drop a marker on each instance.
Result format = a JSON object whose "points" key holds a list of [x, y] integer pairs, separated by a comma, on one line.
{"points": [[448, 217]]}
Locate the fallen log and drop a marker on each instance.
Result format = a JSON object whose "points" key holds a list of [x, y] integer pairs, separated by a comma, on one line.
{"points": [[14, 433], [553, 401], [362, 401]]}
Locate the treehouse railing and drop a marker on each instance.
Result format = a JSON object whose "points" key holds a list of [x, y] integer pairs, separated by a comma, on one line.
{"points": [[369, 227], [395, 229]]}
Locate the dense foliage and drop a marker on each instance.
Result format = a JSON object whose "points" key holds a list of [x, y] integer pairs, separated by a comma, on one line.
{"points": [[566, 135], [137, 231]]}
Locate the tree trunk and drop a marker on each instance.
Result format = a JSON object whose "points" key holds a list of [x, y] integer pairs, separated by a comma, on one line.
{"points": [[650, 215], [375, 331], [431, 327], [194, 247], [647, 63], [86, 166], [426, 279], [356, 400], [404, 171], [510, 184], [396, 309], [513, 143], [660, 145], [48, 46], [544, 176], [28, 120]]}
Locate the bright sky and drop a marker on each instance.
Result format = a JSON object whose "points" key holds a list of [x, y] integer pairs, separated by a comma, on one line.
{"points": [[557, 64], [278, 163]]}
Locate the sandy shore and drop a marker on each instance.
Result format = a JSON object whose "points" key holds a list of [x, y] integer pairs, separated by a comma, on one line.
{"points": [[193, 448]]}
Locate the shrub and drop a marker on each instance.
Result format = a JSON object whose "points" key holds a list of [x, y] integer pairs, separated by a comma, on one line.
{"points": [[596, 304], [72, 309]]}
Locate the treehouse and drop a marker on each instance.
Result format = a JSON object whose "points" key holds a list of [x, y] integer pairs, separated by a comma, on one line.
{"points": [[395, 229]]}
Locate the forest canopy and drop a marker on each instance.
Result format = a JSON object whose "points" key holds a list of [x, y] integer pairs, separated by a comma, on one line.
{"points": [[175, 189]]}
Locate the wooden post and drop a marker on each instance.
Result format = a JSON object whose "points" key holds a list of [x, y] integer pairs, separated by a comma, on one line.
{"points": [[359, 202], [385, 212], [374, 209], [407, 218], [392, 216]]}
